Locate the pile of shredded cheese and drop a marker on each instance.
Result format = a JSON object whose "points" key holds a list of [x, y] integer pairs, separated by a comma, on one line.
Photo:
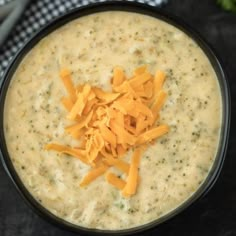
{"points": [[108, 124]]}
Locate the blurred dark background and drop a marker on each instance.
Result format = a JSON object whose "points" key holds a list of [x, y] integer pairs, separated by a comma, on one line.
{"points": [[215, 214]]}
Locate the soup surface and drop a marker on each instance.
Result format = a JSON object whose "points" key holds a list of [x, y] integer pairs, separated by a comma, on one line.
{"points": [[91, 46]]}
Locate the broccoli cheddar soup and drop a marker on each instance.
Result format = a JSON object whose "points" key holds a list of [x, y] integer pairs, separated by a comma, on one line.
{"points": [[81, 57]]}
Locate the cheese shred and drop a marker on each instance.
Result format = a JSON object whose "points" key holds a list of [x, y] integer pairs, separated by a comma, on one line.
{"points": [[108, 124]]}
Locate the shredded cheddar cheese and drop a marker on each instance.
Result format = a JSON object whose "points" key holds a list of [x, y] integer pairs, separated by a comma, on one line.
{"points": [[109, 124]]}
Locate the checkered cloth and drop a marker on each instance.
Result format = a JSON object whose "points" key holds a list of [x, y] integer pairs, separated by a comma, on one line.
{"points": [[37, 14]]}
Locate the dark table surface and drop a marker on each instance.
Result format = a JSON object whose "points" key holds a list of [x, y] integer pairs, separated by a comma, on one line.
{"points": [[215, 214]]}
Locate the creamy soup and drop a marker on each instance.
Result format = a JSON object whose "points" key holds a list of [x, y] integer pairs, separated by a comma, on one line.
{"points": [[91, 46]]}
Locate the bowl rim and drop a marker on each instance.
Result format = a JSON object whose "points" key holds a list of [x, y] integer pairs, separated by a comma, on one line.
{"points": [[126, 7]]}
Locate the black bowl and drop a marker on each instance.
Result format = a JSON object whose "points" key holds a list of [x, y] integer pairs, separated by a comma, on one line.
{"points": [[129, 7]]}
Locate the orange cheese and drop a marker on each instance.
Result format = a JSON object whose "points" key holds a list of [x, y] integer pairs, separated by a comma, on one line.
{"points": [[108, 135], [109, 124], [132, 179], [80, 103], [67, 103], [118, 76], [140, 70], [115, 181], [75, 152], [158, 81], [92, 175], [152, 134], [159, 101]]}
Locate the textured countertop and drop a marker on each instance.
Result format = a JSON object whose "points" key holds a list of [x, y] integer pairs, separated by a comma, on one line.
{"points": [[215, 214]]}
